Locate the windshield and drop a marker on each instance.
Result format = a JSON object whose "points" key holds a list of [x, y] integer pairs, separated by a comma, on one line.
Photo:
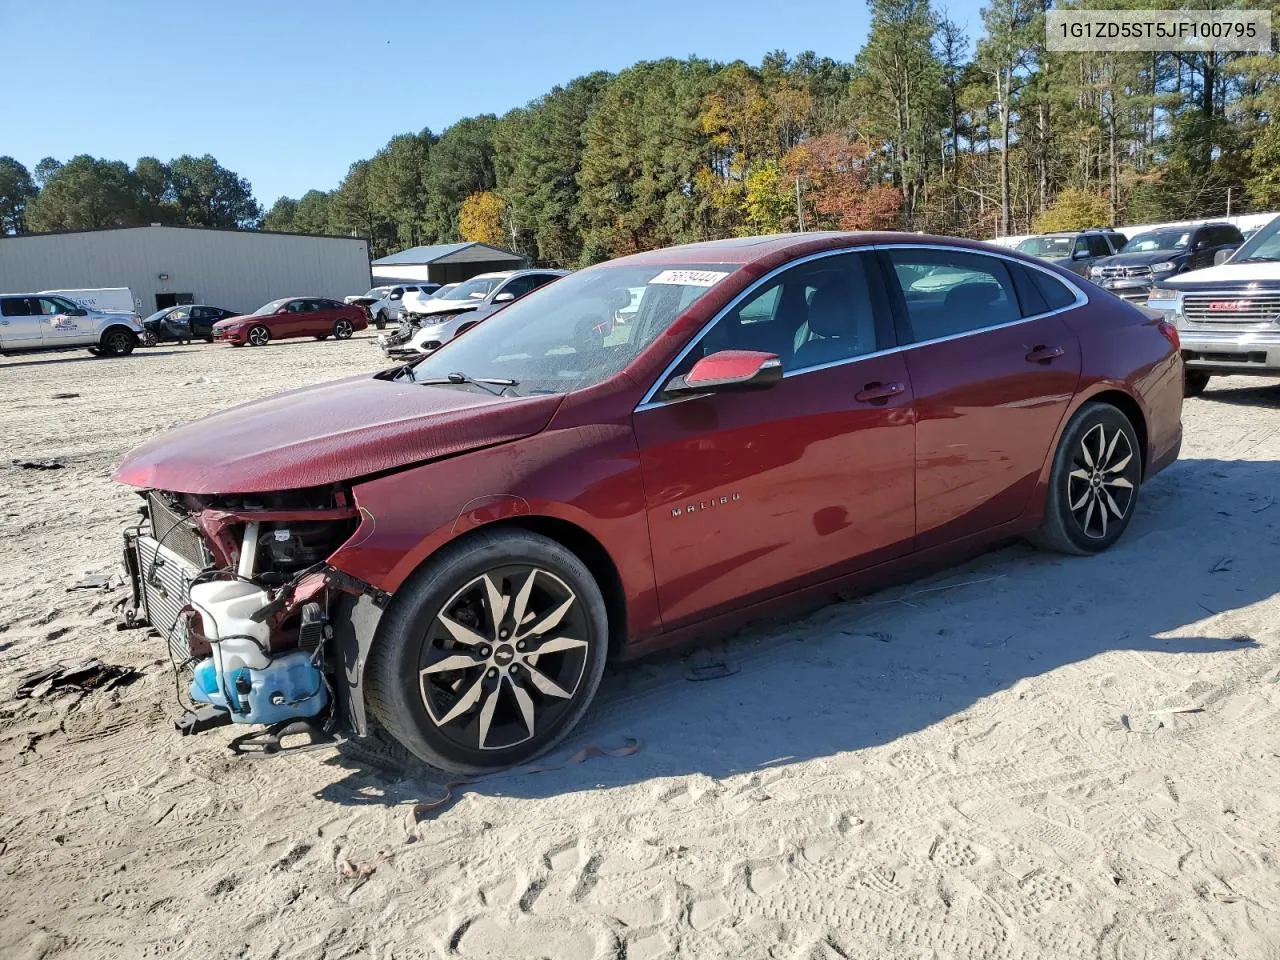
{"points": [[377, 293], [158, 314], [268, 308], [1046, 246], [443, 292], [477, 288], [1158, 240], [1263, 245], [568, 335]]}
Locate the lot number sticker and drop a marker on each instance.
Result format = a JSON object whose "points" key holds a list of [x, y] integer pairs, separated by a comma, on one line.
{"points": [[690, 278]]}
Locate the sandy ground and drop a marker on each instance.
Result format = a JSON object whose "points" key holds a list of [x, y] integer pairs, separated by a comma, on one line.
{"points": [[1030, 756]]}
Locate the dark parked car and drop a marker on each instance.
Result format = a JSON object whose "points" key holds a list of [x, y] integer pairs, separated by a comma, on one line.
{"points": [[292, 317], [457, 547], [185, 323], [1152, 257], [1076, 251]]}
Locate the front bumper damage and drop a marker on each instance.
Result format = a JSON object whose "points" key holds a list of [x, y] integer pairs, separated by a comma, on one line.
{"points": [[312, 617]]}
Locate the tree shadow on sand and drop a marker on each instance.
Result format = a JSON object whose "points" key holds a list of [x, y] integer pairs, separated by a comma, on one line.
{"points": [[866, 672]]}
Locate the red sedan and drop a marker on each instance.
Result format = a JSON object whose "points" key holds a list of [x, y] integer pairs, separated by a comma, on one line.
{"points": [[292, 317], [459, 546]]}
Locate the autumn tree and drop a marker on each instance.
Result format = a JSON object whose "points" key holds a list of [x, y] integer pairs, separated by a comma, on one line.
{"points": [[480, 218], [841, 187]]}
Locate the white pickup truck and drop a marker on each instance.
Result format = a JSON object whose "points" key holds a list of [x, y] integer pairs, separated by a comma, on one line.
{"points": [[46, 321]]}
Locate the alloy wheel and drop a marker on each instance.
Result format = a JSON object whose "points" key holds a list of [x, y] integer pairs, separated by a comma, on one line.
{"points": [[259, 336], [118, 342], [342, 329], [503, 658], [1102, 481]]}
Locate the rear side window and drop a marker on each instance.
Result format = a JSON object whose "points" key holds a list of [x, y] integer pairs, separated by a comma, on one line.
{"points": [[17, 307], [948, 292], [1056, 294]]}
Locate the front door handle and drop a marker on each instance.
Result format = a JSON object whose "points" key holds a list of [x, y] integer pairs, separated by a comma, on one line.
{"points": [[878, 393], [1042, 354]]}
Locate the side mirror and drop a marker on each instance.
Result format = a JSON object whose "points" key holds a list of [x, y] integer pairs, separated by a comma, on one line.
{"points": [[395, 296], [1080, 255], [282, 310], [504, 298], [728, 370], [1222, 256]]}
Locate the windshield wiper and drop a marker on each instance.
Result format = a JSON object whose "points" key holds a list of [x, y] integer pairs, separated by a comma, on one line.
{"points": [[481, 382]]}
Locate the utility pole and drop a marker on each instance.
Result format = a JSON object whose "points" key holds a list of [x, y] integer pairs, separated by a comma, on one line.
{"points": [[1228, 201], [799, 206]]}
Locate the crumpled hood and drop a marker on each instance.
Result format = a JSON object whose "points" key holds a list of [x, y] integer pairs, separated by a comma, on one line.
{"points": [[1139, 259], [329, 433]]}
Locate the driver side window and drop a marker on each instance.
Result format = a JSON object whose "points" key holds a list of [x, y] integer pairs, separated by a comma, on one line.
{"points": [[819, 312]]}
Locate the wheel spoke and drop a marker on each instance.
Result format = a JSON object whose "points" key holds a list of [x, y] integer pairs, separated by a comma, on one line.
{"points": [[1110, 501], [520, 609], [1120, 482], [486, 711], [1111, 448], [526, 705], [1088, 514], [559, 645], [1080, 475], [552, 619], [546, 684], [1117, 467], [1102, 515], [497, 603], [463, 635], [1084, 450], [1084, 498], [459, 662], [465, 702]]}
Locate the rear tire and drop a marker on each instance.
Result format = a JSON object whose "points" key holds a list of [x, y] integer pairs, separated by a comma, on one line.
{"points": [[469, 695], [259, 336], [118, 342], [343, 329], [322, 336], [1093, 487], [1194, 382]]}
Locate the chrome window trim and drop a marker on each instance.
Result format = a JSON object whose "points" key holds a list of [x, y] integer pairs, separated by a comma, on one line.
{"points": [[649, 403]]}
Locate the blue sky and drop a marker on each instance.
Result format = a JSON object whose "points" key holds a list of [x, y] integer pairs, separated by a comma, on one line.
{"points": [[289, 94]]}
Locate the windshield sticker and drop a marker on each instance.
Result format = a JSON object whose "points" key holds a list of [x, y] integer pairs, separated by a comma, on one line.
{"points": [[690, 278]]}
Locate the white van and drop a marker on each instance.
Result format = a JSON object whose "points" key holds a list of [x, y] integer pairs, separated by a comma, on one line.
{"points": [[101, 300]]}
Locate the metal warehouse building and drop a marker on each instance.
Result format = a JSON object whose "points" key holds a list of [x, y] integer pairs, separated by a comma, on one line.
{"points": [[162, 266], [446, 262]]}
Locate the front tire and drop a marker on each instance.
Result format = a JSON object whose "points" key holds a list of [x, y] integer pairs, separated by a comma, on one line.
{"points": [[343, 329], [118, 342], [1093, 488], [1194, 382], [259, 336], [381, 321], [490, 654]]}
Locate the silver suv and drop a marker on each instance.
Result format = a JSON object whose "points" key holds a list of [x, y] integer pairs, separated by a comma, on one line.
{"points": [[45, 321], [1076, 251]]}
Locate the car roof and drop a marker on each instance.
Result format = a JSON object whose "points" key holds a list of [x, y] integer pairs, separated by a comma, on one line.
{"points": [[778, 248]]}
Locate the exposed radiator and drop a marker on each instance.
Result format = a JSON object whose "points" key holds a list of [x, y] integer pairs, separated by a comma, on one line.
{"points": [[166, 589], [176, 531]]}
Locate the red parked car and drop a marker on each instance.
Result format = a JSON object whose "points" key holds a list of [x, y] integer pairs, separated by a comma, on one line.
{"points": [[458, 546], [292, 317]]}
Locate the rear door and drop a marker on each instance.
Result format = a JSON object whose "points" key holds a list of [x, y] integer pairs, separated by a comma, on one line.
{"points": [[21, 323], [993, 368], [750, 495]]}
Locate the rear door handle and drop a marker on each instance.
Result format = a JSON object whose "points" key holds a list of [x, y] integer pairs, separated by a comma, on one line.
{"points": [[878, 393], [1042, 354]]}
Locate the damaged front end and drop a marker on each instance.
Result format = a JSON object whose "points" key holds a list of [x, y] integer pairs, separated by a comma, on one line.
{"points": [[240, 588]]}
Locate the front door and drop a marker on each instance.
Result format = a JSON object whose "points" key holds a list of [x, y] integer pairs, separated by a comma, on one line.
{"points": [[754, 494], [65, 323], [21, 323], [992, 376]]}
